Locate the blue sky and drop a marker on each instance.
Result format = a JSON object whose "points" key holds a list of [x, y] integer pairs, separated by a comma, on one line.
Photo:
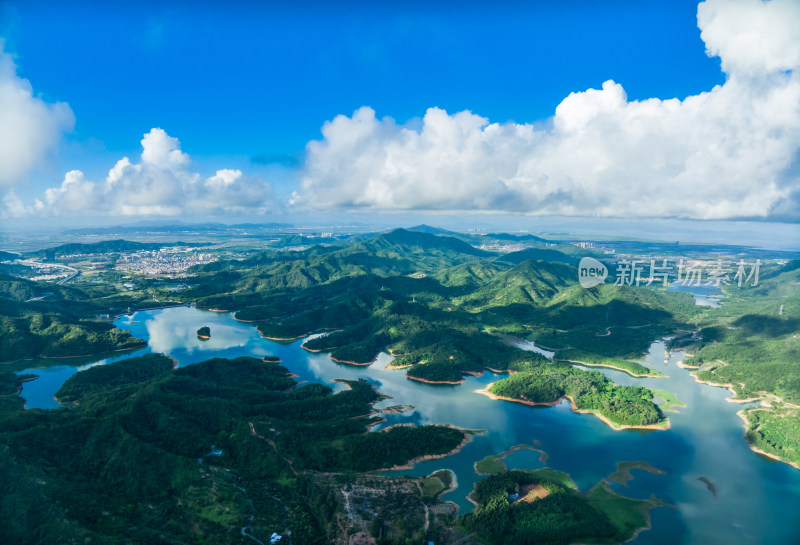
{"points": [[259, 80], [246, 86]]}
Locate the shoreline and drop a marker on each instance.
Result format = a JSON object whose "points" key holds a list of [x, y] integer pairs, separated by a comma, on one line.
{"points": [[485, 391], [453, 484], [75, 403], [501, 458], [659, 375], [260, 334], [426, 381], [743, 415], [9, 362], [619, 427], [248, 321], [728, 387], [468, 435], [359, 364], [613, 425]]}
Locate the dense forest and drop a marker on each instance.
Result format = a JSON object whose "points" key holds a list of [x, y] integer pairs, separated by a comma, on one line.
{"points": [[752, 344], [146, 453], [542, 507], [151, 454], [590, 391], [57, 321]]}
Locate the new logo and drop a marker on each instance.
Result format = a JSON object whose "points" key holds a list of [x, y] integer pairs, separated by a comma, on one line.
{"points": [[591, 272]]}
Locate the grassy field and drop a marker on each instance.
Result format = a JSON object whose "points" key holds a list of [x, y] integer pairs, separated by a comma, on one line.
{"points": [[671, 401], [627, 515], [623, 473]]}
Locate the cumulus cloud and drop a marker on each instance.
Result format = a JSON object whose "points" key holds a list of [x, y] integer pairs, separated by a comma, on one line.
{"points": [[30, 128], [161, 184], [730, 152]]}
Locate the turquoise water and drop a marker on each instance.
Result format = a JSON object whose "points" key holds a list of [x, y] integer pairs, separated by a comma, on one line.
{"points": [[757, 500]]}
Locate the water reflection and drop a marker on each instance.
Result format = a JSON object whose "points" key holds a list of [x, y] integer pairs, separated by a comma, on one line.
{"points": [[755, 497], [704, 296], [176, 332]]}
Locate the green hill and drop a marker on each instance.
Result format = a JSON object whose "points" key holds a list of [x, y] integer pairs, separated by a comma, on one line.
{"points": [[422, 228], [106, 246], [151, 454], [402, 242], [538, 254], [533, 282], [49, 320], [472, 274]]}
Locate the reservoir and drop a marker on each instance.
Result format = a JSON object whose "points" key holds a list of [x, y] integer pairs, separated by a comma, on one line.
{"points": [[756, 499]]}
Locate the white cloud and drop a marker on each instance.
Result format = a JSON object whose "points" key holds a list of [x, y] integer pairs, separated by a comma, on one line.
{"points": [[30, 128], [726, 153], [162, 184], [750, 36], [12, 206]]}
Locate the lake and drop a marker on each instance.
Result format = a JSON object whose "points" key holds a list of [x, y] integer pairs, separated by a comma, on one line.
{"points": [[757, 499]]}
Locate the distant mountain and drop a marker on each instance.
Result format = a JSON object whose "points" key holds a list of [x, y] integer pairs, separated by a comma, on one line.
{"points": [[422, 228], [175, 228], [106, 246], [515, 238], [270, 226], [403, 240], [303, 240], [538, 254], [8, 256], [397, 253]]}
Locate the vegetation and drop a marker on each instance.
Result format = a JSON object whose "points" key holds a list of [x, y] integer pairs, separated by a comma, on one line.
{"points": [[495, 463], [204, 332], [631, 367], [37, 334], [670, 400], [436, 303], [623, 473], [10, 387], [99, 380], [436, 483], [489, 465], [540, 507], [775, 431], [148, 453], [47, 320], [751, 345], [590, 391], [134, 457], [105, 246]]}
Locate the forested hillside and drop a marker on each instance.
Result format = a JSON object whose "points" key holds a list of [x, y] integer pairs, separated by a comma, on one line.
{"points": [[38, 320], [148, 454]]}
